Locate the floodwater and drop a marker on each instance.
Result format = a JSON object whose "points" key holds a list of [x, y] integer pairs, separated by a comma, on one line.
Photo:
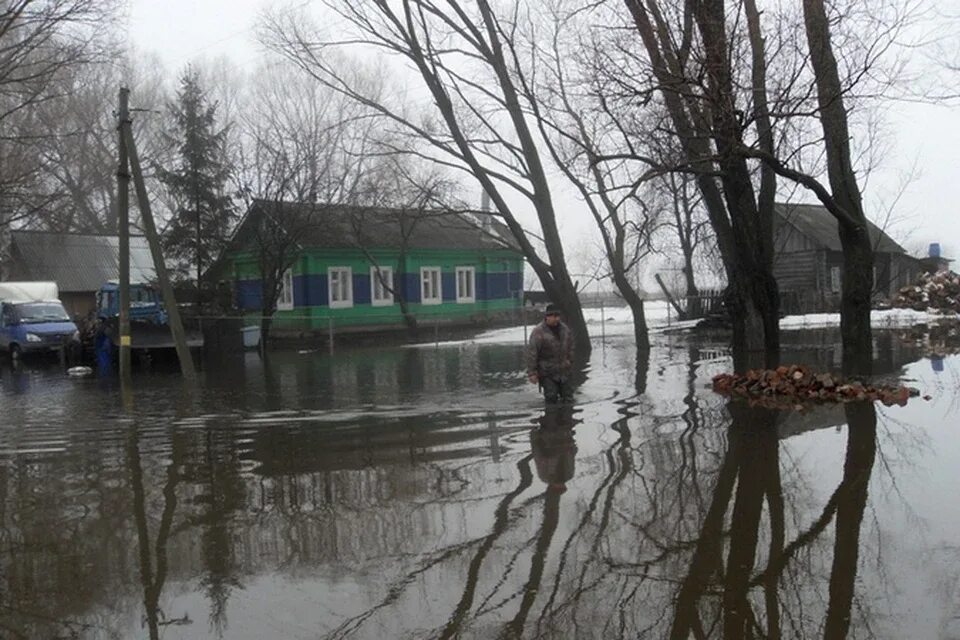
{"points": [[424, 493]]}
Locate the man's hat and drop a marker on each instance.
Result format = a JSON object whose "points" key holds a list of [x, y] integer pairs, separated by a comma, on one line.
{"points": [[551, 310]]}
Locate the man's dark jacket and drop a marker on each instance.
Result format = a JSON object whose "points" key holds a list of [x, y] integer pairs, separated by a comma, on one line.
{"points": [[550, 355]]}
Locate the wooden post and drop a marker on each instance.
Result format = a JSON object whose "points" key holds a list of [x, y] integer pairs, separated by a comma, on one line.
{"points": [[670, 300], [523, 318], [123, 231], [603, 324], [150, 229]]}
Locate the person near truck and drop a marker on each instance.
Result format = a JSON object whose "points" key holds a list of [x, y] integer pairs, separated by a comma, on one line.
{"points": [[550, 357]]}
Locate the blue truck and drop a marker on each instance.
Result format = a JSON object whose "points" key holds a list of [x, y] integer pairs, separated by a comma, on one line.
{"points": [[33, 320], [145, 305], [149, 322]]}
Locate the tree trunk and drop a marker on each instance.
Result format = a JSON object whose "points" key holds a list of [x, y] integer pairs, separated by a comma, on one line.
{"points": [[752, 233], [410, 319], [269, 294], [743, 236], [266, 321], [640, 332], [694, 304], [400, 291], [749, 343], [855, 329]]}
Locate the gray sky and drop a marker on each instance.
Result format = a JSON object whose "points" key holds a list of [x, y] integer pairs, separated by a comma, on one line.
{"points": [[926, 138]]}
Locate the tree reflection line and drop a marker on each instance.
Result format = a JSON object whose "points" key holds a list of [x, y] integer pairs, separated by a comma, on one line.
{"points": [[754, 468], [613, 477], [501, 521], [152, 581]]}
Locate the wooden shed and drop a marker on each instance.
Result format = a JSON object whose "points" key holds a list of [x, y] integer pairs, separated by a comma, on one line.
{"points": [[79, 263], [808, 260]]}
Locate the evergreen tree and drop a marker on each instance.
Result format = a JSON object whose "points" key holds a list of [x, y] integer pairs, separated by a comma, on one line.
{"points": [[204, 210]]}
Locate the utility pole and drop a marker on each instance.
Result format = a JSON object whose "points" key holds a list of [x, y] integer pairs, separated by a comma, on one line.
{"points": [[150, 229], [123, 222]]}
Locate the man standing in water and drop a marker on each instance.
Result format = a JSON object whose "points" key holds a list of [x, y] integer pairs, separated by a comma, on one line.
{"points": [[550, 357]]}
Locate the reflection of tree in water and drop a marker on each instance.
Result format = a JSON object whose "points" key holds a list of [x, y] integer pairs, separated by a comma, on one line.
{"points": [[683, 535], [680, 521], [208, 476], [153, 560], [222, 498], [63, 541], [749, 465]]}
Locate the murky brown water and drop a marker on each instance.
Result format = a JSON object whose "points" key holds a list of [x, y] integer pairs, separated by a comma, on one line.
{"points": [[424, 493]]}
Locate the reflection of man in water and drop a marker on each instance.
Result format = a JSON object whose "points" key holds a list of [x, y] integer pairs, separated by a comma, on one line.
{"points": [[554, 448], [550, 356]]}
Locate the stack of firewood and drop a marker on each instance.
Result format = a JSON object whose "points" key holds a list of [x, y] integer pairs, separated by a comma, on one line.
{"points": [[938, 291], [794, 385]]}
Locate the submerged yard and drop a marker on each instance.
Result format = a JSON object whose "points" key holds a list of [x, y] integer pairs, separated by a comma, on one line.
{"points": [[425, 493]]}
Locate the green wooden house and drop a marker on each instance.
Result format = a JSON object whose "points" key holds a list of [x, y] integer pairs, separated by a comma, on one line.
{"points": [[357, 269]]}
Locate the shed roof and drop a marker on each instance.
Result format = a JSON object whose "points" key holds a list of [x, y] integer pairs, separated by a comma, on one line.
{"points": [[339, 226], [77, 262], [818, 224]]}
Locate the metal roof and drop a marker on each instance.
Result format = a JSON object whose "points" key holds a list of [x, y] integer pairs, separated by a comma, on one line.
{"points": [[818, 224], [76, 262], [339, 226]]}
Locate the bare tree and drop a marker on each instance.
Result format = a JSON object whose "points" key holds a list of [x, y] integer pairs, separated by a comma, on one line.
{"points": [[39, 43], [398, 197], [560, 83], [747, 100], [845, 201], [79, 156], [480, 122], [690, 58], [302, 145]]}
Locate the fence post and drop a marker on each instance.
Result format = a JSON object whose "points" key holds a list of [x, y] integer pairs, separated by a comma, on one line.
{"points": [[523, 318], [603, 323]]}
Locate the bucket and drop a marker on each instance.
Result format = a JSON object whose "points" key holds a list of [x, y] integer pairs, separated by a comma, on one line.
{"points": [[251, 337]]}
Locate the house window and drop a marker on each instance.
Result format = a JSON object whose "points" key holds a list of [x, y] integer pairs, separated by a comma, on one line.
{"points": [[285, 298], [430, 285], [341, 287], [466, 281], [381, 286], [835, 279]]}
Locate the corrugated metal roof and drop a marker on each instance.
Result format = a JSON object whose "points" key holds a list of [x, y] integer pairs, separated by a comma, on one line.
{"points": [[77, 262], [818, 224]]}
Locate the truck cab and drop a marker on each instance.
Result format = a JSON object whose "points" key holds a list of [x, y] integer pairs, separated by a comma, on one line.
{"points": [[145, 305], [32, 319]]}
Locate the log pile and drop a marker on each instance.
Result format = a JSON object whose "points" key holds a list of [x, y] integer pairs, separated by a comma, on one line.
{"points": [[938, 291], [791, 387]]}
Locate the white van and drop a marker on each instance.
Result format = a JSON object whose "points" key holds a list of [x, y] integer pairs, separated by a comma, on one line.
{"points": [[32, 319]]}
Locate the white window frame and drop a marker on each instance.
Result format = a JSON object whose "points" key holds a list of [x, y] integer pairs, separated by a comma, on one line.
{"points": [[438, 286], [387, 274], [471, 279], [835, 280], [285, 297], [347, 301]]}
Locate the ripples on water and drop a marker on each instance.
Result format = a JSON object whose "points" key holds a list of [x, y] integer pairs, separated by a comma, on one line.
{"points": [[425, 493]]}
